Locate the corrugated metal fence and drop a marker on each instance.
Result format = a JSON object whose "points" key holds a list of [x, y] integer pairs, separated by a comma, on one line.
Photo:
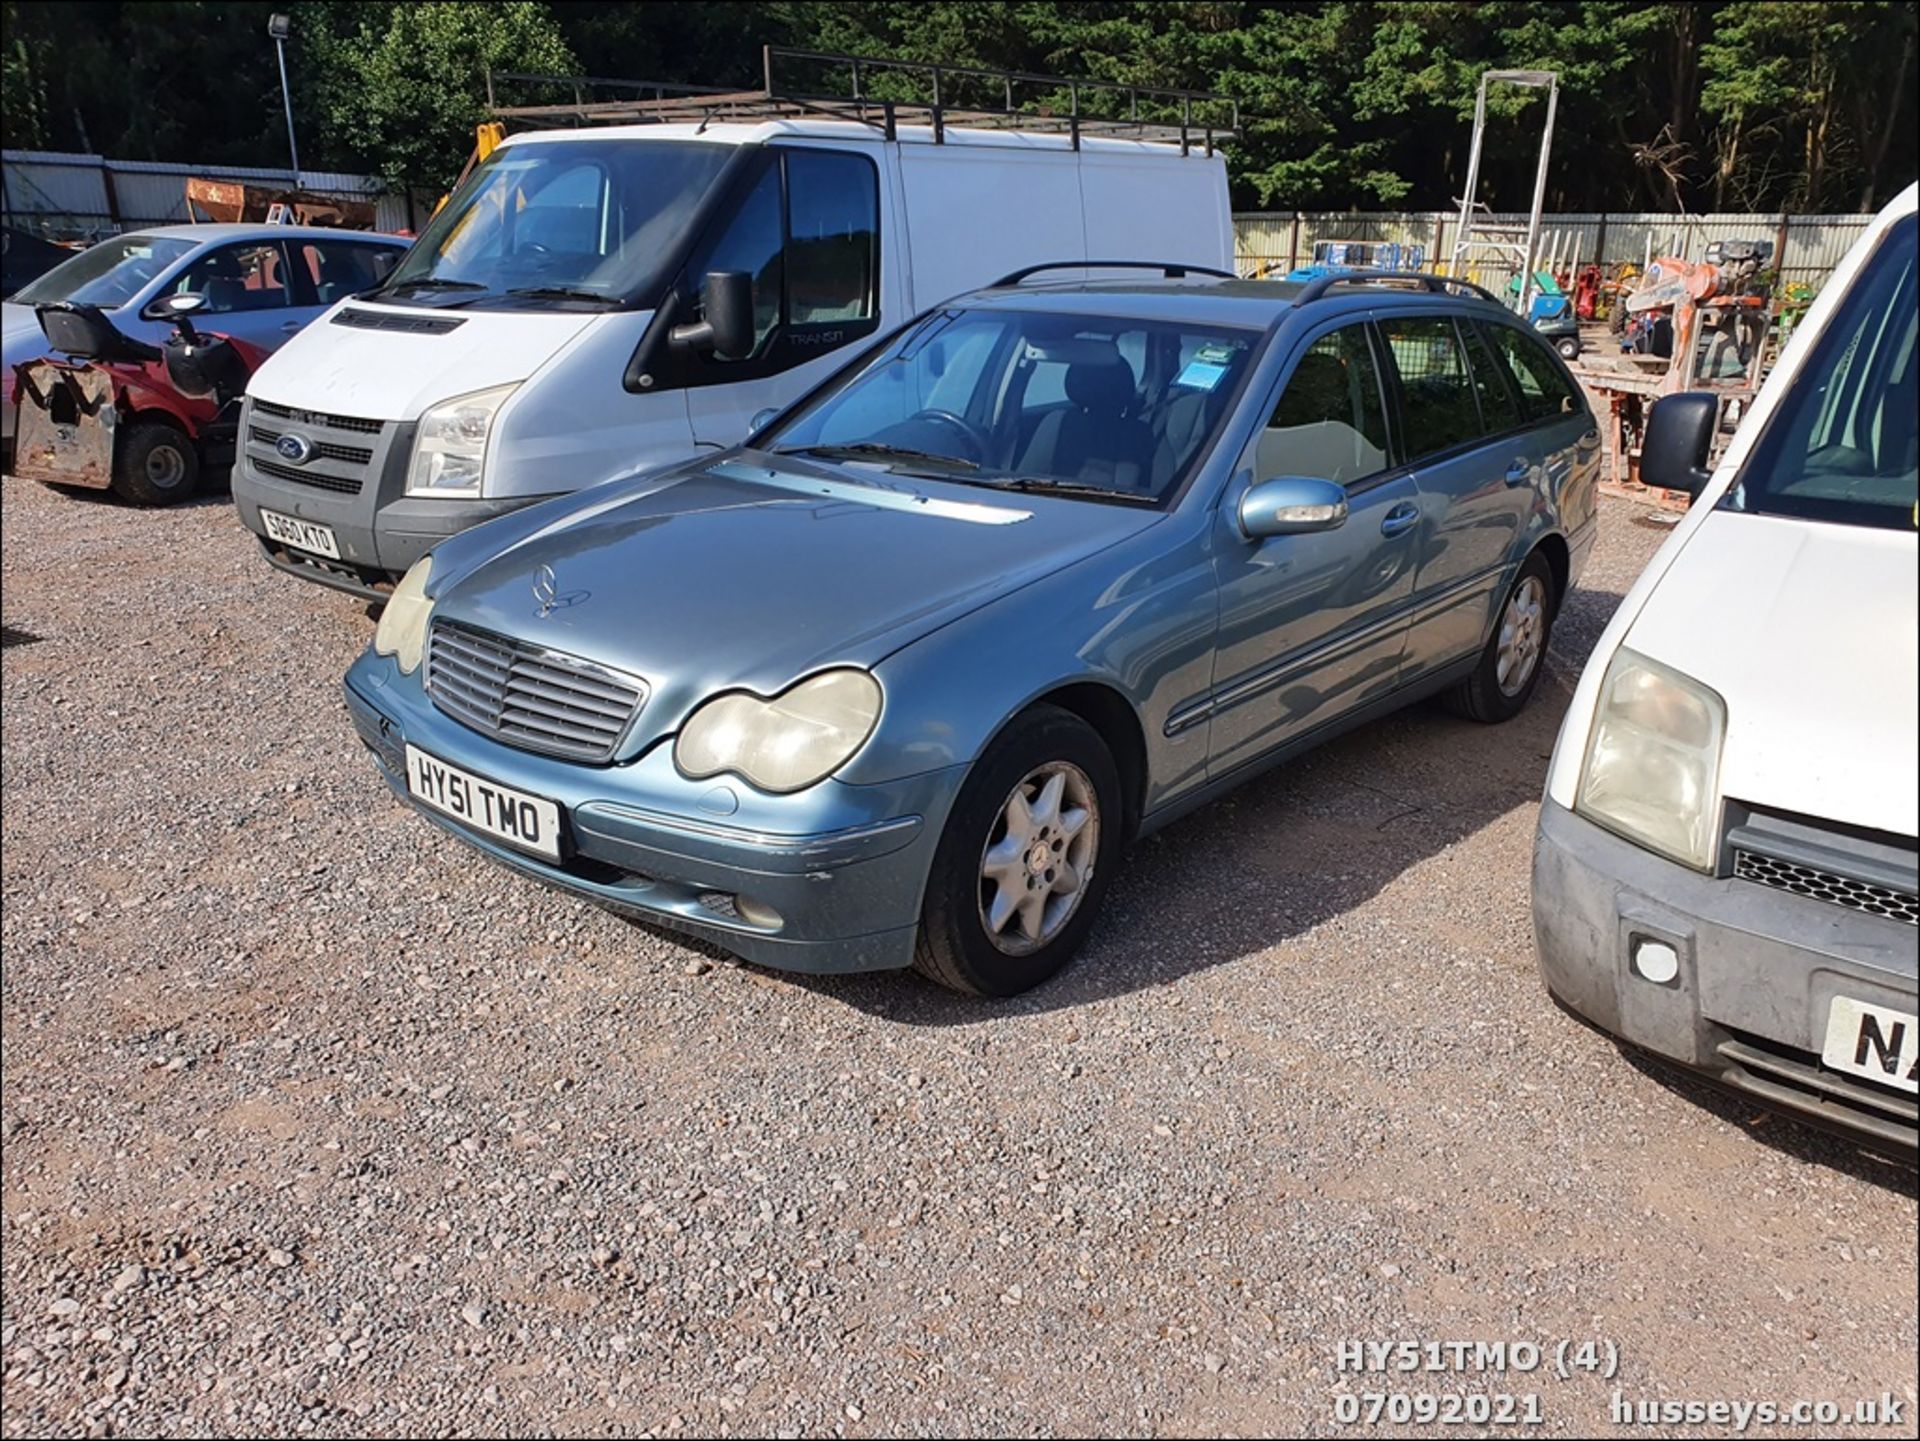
{"points": [[1806, 247], [66, 196]]}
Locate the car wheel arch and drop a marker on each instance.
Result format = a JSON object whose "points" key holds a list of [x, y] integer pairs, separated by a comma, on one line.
{"points": [[1104, 707], [1553, 546]]}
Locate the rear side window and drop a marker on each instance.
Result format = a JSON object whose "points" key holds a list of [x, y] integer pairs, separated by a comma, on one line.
{"points": [[1497, 405], [339, 268], [1436, 392], [1329, 423], [1541, 384]]}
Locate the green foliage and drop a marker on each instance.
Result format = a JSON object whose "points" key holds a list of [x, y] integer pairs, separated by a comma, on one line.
{"points": [[1753, 105]]}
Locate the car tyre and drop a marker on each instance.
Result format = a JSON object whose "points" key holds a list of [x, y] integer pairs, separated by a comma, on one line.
{"points": [[155, 464], [1516, 652], [1038, 865]]}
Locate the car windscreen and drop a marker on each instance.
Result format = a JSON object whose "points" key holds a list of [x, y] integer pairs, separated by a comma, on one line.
{"points": [[563, 223], [108, 274], [1095, 407], [1842, 446]]}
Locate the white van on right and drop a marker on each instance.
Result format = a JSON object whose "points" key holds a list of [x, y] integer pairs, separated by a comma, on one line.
{"points": [[1725, 869]]}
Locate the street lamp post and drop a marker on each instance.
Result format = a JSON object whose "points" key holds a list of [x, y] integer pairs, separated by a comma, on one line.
{"points": [[280, 27]]}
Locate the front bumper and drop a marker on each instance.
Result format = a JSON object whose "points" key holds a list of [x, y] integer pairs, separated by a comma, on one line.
{"points": [[379, 529], [1759, 970], [843, 866]]}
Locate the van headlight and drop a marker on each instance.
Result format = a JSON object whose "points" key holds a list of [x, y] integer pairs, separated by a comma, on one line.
{"points": [[451, 445], [402, 632], [1653, 761], [800, 736]]}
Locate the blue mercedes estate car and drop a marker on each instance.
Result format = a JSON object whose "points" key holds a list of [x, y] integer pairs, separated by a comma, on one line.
{"points": [[896, 681]]}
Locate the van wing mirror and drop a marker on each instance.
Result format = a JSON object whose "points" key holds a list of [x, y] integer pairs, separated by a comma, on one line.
{"points": [[1291, 505], [727, 298], [1679, 438]]}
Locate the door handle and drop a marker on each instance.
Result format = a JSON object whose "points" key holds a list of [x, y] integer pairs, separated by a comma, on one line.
{"points": [[1519, 470], [1401, 518], [289, 326]]}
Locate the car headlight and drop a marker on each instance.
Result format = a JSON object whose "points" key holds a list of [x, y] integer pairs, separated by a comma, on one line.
{"points": [[1653, 761], [451, 446], [800, 736], [402, 632]]}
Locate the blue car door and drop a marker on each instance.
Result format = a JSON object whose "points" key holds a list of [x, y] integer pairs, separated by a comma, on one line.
{"points": [[1477, 472], [1312, 626]]}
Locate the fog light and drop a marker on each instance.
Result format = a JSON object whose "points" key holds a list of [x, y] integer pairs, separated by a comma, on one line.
{"points": [[1656, 961], [758, 913]]}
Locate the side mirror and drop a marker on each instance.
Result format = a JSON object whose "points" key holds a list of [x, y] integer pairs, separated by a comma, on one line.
{"points": [[728, 328], [172, 307], [1291, 505], [1679, 438], [761, 419]]}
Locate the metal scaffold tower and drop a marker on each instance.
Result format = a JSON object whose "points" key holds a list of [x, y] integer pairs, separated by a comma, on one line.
{"points": [[1478, 239]]}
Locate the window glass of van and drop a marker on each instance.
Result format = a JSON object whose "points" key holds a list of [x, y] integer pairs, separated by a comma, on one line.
{"points": [[601, 217], [1436, 393], [751, 242], [1543, 388], [1330, 422], [1841, 447], [833, 223]]}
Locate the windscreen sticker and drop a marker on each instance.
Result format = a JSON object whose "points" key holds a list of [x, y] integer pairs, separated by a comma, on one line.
{"points": [[1215, 354], [1199, 375]]}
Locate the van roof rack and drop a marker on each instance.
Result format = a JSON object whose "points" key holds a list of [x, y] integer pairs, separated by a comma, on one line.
{"points": [[886, 94], [1171, 269], [1438, 284]]}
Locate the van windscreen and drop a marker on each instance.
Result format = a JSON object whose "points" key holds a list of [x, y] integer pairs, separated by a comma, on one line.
{"points": [[562, 224]]}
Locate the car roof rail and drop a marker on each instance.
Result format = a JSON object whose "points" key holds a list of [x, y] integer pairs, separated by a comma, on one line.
{"points": [[1436, 284], [885, 94], [1171, 269]]}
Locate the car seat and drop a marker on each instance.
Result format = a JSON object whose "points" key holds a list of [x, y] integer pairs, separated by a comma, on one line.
{"points": [[1096, 439]]}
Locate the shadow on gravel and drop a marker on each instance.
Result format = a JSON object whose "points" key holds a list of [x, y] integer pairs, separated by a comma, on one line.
{"points": [[213, 491], [11, 636], [1290, 850], [1800, 1140]]}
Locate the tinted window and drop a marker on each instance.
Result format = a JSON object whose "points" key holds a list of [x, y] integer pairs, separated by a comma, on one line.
{"points": [[833, 225], [1498, 408], [1329, 422], [751, 242], [1436, 394], [1842, 447], [339, 268], [1542, 385], [108, 274], [238, 277], [1010, 396]]}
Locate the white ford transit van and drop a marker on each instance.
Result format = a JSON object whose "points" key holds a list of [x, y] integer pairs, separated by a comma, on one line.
{"points": [[595, 301], [1725, 870]]}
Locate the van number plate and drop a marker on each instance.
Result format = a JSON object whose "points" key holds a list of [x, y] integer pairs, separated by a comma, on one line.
{"points": [[1876, 1042], [301, 534]]}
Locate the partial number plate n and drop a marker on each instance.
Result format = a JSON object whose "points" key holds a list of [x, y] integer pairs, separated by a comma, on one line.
{"points": [[1874, 1042], [301, 534], [528, 823]]}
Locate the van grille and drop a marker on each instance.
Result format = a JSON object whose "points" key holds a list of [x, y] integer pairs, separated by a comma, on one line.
{"points": [[326, 450], [303, 417], [529, 696], [1823, 885]]}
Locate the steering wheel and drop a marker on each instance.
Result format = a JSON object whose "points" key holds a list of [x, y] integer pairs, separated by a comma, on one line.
{"points": [[969, 434]]}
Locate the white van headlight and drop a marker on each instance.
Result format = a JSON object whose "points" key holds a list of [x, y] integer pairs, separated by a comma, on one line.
{"points": [[800, 736], [402, 632], [451, 446], [1653, 760]]}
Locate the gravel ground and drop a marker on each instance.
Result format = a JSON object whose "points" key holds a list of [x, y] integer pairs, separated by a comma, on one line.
{"points": [[315, 1122]]}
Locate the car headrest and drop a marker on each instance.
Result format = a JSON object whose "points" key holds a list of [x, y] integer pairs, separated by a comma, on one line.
{"points": [[1101, 383]]}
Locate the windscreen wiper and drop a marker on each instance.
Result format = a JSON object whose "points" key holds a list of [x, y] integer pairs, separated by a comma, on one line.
{"points": [[433, 282], [561, 292], [874, 450], [1049, 485]]}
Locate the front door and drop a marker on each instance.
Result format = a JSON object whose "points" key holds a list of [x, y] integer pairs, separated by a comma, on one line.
{"points": [[808, 232], [249, 291], [1312, 626]]}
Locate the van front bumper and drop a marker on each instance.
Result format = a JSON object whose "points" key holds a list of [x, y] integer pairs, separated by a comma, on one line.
{"points": [[378, 528], [841, 867], [1759, 970]]}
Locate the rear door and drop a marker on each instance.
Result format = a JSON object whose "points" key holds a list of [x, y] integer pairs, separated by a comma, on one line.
{"points": [[1477, 471], [1312, 626]]}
